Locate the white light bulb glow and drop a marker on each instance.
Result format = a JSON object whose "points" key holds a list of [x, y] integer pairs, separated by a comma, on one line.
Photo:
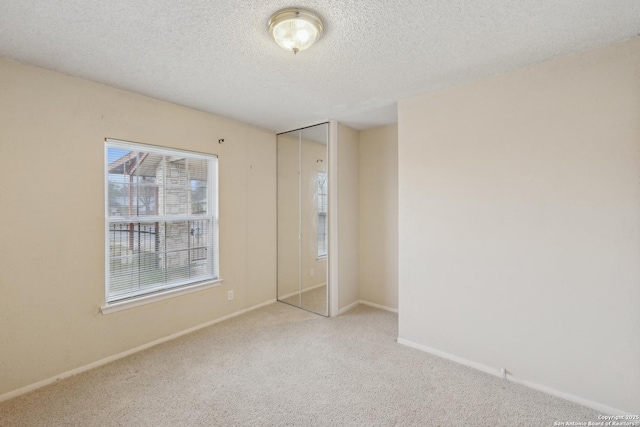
{"points": [[295, 29]]}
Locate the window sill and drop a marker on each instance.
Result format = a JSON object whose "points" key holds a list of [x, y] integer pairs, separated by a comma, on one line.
{"points": [[321, 258], [148, 299]]}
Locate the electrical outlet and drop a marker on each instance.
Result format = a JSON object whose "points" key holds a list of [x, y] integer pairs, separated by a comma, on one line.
{"points": [[312, 272], [230, 296]]}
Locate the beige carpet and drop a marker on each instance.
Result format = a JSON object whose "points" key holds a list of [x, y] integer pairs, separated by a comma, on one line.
{"points": [[280, 365]]}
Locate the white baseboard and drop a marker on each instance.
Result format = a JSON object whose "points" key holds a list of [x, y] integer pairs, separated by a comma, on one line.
{"points": [[381, 307], [302, 291], [496, 371], [110, 359], [348, 307], [453, 358], [370, 304]]}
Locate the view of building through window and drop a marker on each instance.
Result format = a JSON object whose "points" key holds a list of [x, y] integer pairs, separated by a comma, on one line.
{"points": [[161, 215]]}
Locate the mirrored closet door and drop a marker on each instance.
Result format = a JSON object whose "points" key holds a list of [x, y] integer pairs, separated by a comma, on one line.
{"points": [[303, 198]]}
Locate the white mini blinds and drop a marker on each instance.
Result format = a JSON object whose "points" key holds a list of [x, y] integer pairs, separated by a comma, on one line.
{"points": [[161, 219]]}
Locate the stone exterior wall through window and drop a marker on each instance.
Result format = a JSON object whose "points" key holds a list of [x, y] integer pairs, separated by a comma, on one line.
{"points": [[177, 238]]}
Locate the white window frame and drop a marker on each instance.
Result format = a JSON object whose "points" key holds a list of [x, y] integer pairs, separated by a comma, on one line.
{"points": [[323, 216], [178, 288]]}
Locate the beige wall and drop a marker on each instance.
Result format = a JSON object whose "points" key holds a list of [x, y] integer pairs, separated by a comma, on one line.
{"points": [[378, 199], [519, 231], [52, 228], [348, 216]]}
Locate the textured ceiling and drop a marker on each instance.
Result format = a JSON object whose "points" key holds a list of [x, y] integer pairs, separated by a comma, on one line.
{"points": [[217, 55]]}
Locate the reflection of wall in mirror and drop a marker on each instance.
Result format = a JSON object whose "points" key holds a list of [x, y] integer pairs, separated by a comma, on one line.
{"points": [[288, 189], [299, 197]]}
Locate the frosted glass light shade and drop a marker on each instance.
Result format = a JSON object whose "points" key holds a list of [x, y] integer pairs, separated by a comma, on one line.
{"points": [[295, 29]]}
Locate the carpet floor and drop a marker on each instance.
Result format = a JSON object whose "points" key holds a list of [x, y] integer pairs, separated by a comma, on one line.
{"points": [[313, 300], [282, 366]]}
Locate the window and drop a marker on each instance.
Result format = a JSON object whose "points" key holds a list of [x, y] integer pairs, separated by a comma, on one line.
{"points": [[322, 214], [161, 219]]}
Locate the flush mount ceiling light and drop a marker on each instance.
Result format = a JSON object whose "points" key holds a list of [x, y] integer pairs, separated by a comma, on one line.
{"points": [[295, 29]]}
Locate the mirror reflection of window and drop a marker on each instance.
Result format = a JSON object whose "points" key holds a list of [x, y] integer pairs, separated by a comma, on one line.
{"points": [[322, 214]]}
